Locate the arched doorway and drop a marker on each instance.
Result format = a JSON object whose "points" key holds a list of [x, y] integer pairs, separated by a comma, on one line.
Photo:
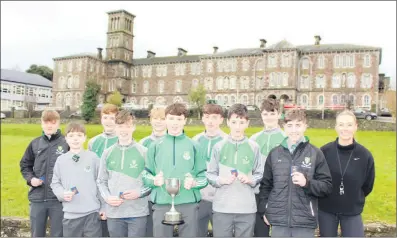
{"points": [[272, 96]]}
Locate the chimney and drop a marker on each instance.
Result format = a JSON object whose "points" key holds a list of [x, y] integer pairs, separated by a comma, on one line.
{"points": [[317, 40], [150, 54], [263, 43], [181, 52], [215, 49], [99, 53]]}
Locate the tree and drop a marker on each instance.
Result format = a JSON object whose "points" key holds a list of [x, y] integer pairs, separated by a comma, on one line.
{"points": [[115, 98], [197, 97], [42, 70], [30, 103], [90, 100], [390, 96]]}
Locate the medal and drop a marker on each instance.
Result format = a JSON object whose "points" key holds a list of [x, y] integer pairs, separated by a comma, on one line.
{"points": [[341, 188]]}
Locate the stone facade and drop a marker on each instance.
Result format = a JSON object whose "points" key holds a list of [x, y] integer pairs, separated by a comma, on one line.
{"points": [[296, 74]]}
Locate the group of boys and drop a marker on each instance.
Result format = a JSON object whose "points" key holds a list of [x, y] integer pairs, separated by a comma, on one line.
{"points": [[236, 183]]}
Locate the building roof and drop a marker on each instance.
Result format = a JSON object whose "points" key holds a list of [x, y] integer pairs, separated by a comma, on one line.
{"points": [[166, 60], [24, 78], [85, 54], [333, 47]]}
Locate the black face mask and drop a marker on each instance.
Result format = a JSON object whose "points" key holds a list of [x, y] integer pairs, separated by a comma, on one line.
{"points": [[76, 158]]}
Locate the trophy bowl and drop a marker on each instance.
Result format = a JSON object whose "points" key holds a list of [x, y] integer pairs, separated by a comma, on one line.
{"points": [[172, 217]]}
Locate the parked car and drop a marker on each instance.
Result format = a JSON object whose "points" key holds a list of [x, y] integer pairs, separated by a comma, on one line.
{"points": [[2, 116], [76, 114], [252, 108], [130, 106], [385, 112], [365, 114]]}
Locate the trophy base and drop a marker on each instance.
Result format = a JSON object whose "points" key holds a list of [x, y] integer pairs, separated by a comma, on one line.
{"points": [[172, 218]]}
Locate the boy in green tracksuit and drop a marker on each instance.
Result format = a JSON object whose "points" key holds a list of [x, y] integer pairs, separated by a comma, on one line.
{"points": [[104, 140], [270, 137], [212, 119], [120, 181], [235, 169], [175, 156], [157, 120]]}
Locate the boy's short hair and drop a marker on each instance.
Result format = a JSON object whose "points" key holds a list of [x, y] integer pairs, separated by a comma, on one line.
{"points": [[50, 115], [75, 127], [239, 109], [270, 105], [347, 113], [212, 109], [109, 108], [295, 114], [177, 109], [157, 112], [124, 116]]}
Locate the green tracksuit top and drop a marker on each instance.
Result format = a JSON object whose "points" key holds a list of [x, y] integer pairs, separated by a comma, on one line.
{"points": [[148, 140], [101, 142], [176, 157]]}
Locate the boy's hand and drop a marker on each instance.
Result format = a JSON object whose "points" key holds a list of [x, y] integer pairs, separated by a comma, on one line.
{"points": [[131, 194], [159, 179], [244, 179], [227, 181], [68, 195], [114, 201], [102, 215], [265, 220], [35, 182], [299, 179], [189, 183]]}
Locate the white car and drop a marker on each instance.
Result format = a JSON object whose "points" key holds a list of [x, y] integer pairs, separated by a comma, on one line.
{"points": [[2, 116], [130, 106]]}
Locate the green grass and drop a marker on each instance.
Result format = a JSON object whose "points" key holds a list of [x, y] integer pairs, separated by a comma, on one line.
{"points": [[380, 205]]}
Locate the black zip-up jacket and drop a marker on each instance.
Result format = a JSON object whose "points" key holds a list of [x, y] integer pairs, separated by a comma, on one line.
{"points": [[39, 160], [358, 180], [284, 203]]}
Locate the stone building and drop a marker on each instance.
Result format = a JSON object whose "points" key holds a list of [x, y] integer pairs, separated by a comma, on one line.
{"points": [[307, 75]]}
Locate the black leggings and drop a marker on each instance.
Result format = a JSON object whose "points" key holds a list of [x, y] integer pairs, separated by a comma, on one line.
{"points": [[351, 226]]}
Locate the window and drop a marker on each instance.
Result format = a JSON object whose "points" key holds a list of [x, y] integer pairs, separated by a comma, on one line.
{"points": [[342, 99], [320, 81], [334, 99], [161, 86], [366, 101], [233, 82], [112, 85], [366, 81], [177, 99], [245, 65], [68, 99], [178, 86], [133, 87], [344, 61], [351, 81], [304, 81], [226, 83], [210, 67], [80, 65], [78, 99], [336, 81], [272, 61], [367, 60], [219, 83], [272, 80], [352, 99], [208, 83], [304, 100], [146, 86], [147, 71], [225, 100], [91, 67], [233, 65], [180, 69], [70, 82], [219, 66], [244, 82], [76, 81], [195, 69], [336, 61], [285, 79], [320, 100], [244, 99], [320, 62], [161, 70], [60, 67], [286, 60], [144, 102], [305, 63], [352, 61], [113, 55], [261, 64], [194, 83], [232, 99]]}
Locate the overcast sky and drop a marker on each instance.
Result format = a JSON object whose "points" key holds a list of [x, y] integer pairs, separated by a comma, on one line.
{"points": [[36, 32]]}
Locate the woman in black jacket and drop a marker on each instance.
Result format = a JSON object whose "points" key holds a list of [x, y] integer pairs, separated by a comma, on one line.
{"points": [[353, 174]]}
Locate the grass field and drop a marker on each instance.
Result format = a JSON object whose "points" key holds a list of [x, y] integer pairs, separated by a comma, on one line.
{"points": [[380, 205]]}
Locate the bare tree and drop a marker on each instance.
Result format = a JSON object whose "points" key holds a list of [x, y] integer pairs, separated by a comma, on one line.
{"points": [[30, 103]]}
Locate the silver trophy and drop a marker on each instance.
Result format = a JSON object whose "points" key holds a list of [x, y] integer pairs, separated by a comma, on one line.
{"points": [[172, 217]]}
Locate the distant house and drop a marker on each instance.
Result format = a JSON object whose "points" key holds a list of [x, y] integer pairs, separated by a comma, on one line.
{"points": [[20, 88]]}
